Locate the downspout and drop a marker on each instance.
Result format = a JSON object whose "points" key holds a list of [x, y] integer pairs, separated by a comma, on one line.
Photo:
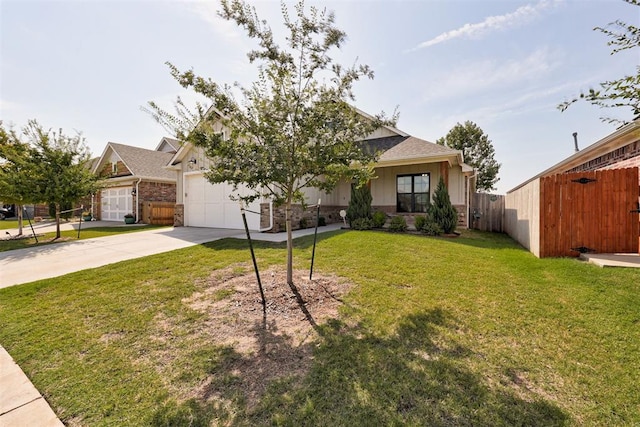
{"points": [[469, 178], [138, 198]]}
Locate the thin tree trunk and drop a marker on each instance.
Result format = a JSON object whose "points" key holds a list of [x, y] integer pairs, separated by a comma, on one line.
{"points": [[57, 221], [289, 244], [19, 215]]}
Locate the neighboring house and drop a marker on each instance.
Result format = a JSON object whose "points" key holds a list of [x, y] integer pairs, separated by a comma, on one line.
{"points": [[134, 176], [407, 173], [583, 203]]}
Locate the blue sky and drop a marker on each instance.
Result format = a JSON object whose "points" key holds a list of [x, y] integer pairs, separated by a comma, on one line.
{"points": [[505, 65]]}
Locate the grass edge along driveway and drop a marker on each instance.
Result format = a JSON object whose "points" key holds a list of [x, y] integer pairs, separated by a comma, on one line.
{"points": [[466, 331]]}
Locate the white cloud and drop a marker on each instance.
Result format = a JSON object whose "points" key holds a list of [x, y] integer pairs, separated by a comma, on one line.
{"points": [[208, 12], [520, 16], [8, 106], [473, 78]]}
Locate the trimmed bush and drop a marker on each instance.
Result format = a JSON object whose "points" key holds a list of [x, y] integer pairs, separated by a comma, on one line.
{"points": [[398, 224], [430, 228], [379, 219], [303, 223], [362, 224], [420, 221]]}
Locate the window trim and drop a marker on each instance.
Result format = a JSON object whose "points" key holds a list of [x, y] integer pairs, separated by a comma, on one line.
{"points": [[413, 193]]}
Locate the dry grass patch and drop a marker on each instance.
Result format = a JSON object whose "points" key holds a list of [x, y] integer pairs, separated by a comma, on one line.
{"points": [[253, 347]]}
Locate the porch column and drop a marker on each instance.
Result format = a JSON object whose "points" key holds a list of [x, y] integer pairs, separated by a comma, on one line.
{"points": [[444, 173]]}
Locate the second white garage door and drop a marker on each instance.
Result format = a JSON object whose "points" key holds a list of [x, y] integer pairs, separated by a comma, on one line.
{"points": [[208, 205], [116, 203]]}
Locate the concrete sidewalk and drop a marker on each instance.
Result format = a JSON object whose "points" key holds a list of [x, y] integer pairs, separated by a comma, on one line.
{"points": [[43, 262], [20, 403], [613, 260]]}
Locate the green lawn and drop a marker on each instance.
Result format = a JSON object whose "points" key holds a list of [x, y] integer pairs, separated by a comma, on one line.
{"points": [[443, 332], [6, 224], [65, 235]]}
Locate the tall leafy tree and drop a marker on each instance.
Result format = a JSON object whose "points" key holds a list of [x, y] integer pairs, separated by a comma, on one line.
{"points": [[622, 92], [294, 127], [51, 168], [15, 187], [477, 151]]}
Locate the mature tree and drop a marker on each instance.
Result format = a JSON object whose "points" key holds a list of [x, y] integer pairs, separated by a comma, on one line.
{"points": [[477, 151], [294, 127], [48, 167], [622, 92]]}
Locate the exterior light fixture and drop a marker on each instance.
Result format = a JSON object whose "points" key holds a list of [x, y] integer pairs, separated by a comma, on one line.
{"points": [[192, 162], [133, 192]]}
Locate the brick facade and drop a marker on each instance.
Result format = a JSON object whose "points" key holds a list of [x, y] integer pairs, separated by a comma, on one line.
{"points": [[331, 215], [148, 191], [156, 192], [623, 157], [120, 170], [178, 219], [299, 218]]}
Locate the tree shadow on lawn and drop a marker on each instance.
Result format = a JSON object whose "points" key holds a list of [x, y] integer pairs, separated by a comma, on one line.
{"points": [[484, 239], [351, 376]]}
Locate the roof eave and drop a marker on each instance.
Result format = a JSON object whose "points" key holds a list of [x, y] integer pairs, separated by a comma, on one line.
{"points": [[620, 137], [416, 161], [136, 178]]}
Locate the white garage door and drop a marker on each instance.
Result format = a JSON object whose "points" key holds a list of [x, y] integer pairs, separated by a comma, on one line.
{"points": [[208, 205], [116, 203]]}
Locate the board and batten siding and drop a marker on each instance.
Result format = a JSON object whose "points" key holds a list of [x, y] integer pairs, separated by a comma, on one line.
{"points": [[522, 216]]}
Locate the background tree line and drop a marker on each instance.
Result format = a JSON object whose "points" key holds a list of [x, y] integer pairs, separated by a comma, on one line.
{"points": [[39, 166]]}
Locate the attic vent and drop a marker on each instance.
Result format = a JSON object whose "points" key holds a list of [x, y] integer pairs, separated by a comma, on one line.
{"points": [[114, 168]]}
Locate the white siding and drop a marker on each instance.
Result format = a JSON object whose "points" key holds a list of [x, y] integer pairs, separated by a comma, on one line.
{"points": [[522, 216]]}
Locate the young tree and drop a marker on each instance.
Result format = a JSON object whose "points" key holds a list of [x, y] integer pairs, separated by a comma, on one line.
{"points": [[52, 168], [14, 172], [359, 204], [477, 151], [441, 211], [294, 127], [625, 91]]}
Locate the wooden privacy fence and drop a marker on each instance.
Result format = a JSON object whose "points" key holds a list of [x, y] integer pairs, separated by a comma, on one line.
{"points": [[158, 213], [589, 212], [487, 212]]}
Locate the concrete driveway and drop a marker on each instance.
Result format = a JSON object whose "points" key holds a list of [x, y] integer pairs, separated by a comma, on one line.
{"points": [[43, 262]]}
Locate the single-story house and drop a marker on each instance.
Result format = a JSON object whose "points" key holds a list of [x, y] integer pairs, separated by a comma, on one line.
{"points": [[588, 202], [407, 173], [134, 176]]}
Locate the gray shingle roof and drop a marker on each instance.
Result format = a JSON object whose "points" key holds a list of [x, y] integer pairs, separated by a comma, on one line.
{"points": [[145, 163], [175, 144], [372, 146], [415, 148]]}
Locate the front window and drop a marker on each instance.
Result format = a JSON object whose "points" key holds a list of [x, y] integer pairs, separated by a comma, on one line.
{"points": [[413, 193]]}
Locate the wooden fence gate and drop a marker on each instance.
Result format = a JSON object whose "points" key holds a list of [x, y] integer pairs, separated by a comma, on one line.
{"points": [[158, 213], [487, 212], [589, 212]]}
